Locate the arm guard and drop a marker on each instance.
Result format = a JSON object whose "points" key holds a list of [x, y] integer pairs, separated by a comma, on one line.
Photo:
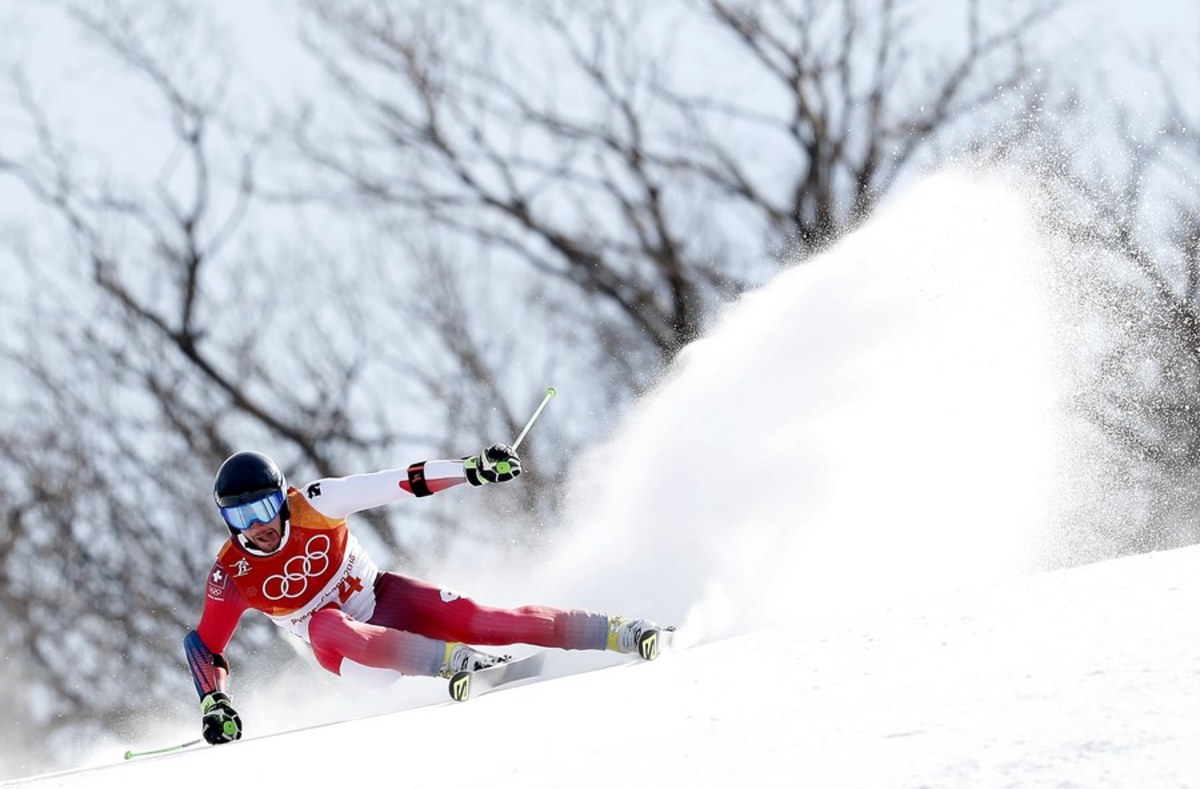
{"points": [[210, 672]]}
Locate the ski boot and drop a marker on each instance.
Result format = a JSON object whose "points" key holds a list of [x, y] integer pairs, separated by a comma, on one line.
{"points": [[460, 657], [633, 635]]}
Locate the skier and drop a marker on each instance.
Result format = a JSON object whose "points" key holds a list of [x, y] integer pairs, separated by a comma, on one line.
{"points": [[291, 555]]}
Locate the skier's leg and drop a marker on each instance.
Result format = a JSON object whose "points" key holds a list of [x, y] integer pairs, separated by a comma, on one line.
{"points": [[408, 604], [336, 638]]}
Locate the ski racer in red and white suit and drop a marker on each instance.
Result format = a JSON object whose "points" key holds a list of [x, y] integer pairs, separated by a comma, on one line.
{"points": [[305, 570]]}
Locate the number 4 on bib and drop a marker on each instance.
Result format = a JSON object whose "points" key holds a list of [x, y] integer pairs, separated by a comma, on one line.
{"points": [[347, 587]]}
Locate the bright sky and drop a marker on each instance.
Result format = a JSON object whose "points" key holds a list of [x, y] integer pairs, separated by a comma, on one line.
{"points": [[90, 100], [1109, 39], [839, 509]]}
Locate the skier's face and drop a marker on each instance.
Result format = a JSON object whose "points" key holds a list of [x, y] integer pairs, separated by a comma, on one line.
{"points": [[266, 536]]}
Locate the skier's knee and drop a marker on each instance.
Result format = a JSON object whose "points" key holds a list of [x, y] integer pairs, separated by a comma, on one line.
{"points": [[323, 631]]}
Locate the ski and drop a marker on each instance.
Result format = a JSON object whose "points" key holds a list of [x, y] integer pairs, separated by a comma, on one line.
{"points": [[465, 685], [468, 684]]}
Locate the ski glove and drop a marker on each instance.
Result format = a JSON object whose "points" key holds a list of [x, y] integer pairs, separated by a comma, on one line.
{"points": [[497, 463], [221, 722]]}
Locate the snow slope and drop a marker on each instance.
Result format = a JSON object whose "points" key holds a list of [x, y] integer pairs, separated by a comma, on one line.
{"points": [[842, 494], [1086, 677]]}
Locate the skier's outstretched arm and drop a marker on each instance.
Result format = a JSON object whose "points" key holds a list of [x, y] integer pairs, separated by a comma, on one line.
{"points": [[337, 497]]}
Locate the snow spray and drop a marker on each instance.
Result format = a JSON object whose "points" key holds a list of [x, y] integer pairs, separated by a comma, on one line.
{"points": [[875, 422]]}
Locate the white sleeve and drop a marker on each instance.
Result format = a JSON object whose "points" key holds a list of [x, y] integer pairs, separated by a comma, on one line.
{"points": [[337, 497]]}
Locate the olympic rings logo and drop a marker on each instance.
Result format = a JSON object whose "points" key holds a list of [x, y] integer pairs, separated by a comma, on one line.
{"points": [[293, 582]]}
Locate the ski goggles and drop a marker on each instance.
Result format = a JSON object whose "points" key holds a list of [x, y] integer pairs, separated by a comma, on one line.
{"points": [[242, 516]]}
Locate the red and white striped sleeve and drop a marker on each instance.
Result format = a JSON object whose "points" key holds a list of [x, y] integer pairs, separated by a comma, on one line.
{"points": [[337, 497]]}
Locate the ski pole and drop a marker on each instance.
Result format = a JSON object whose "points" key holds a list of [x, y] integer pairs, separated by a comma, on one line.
{"points": [[135, 754], [550, 392]]}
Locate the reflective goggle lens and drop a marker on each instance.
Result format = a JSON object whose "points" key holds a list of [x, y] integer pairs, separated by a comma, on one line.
{"points": [[242, 516]]}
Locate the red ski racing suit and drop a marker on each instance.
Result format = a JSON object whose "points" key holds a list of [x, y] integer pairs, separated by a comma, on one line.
{"points": [[322, 586]]}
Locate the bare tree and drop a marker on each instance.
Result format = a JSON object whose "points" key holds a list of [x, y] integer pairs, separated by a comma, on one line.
{"points": [[1131, 283], [598, 148], [119, 416], [162, 334]]}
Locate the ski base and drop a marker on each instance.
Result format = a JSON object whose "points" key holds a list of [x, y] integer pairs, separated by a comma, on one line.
{"points": [[469, 684]]}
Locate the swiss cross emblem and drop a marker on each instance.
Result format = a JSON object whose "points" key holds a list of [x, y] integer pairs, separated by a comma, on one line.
{"points": [[216, 583]]}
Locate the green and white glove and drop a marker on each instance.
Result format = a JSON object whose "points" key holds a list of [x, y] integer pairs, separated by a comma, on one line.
{"points": [[221, 723], [497, 463]]}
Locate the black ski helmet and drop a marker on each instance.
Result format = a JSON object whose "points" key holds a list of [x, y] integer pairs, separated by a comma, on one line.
{"points": [[247, 477]]}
